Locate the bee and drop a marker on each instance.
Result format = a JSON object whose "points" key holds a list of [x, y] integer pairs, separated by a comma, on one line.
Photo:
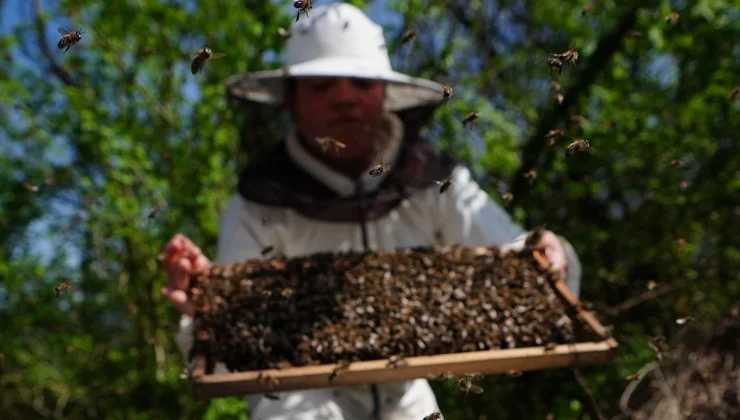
{"points": [[186, 373], [152, 214], [68, 38], [266, 250], [283, 33], [444, 185], [63, 286], [633, 377], [380, 168], [201, 57], [550, 346], [531, 175], [31, 188], [507, 197], [559, 98], [408, 36], [534, 237], [672, 18], [684, 320], [466, 385], [446, 92], [570, 56], [553, 135], [303, 6], [346, 25], [287, 292], [342, 366], [651, 284], [434, 416], [580, 145], [330, 143], [470, 118], [735, 92], [396, 361], [555, 86], [271, 396], [555, 63]]}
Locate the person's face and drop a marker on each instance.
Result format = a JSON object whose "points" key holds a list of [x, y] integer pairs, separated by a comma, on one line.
{"points": [[343, 108]]}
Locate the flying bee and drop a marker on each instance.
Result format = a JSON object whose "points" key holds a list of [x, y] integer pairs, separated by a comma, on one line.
{"points": [[283, 33], [31, 188], [633, 377], [287, 292], [444, 185], [580, 145], [380, 168], [408, 36], [470, 118], [651, 284], [684, 320], [570, 56], [672, 18], [559, 98], [555, 86], [550, 346], [272, 396], [63, 286], [434, 416], [735, 92], [507, 197], [553, 135], [555, 63], [68, 38], [330, 143], [531, 175], [303, 6], [201, 57], [466, 385], [446, 92], [266, 250]]}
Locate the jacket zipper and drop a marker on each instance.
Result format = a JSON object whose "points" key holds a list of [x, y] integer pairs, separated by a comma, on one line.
{"points": [[360, 192]]}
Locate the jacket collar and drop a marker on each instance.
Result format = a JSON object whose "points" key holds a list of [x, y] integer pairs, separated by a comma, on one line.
{"points": [[341, 184]]}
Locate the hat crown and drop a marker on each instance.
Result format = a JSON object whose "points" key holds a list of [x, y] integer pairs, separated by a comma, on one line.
{"points": [[337, 30]]}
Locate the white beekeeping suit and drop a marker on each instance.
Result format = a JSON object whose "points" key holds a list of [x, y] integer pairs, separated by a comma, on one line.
{"points": [[463, 215]]}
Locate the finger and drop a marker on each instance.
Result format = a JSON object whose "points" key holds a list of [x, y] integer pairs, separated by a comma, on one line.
{"points": [[180, 277], [179, 300], [171, 260], [201, 262]]}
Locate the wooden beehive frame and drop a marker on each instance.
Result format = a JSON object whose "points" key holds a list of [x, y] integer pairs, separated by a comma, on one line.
{"points": [[599, 347]]}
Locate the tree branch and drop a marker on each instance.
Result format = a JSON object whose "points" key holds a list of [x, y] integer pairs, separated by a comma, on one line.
{"points": [[54, 67], [597, 411], [536, 145]]}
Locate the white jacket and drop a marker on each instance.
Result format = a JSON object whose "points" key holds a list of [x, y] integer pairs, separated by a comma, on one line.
{"points": [[463, 215]]}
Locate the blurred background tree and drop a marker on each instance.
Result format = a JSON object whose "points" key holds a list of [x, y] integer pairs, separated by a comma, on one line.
{"points": [[110, 149]]}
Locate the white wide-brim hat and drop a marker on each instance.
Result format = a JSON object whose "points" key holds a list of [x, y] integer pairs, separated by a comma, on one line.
{"points": [[336, 40]]}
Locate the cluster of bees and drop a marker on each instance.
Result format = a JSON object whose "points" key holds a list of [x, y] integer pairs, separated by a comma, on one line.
{"points": [[352, 309]]}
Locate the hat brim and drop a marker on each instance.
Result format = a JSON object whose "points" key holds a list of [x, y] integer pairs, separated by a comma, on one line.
{"points": [[403, 91]]}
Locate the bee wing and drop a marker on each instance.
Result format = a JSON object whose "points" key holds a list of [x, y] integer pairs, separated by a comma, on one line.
{"points": [[475, 389], [62, 31], [217, 55]]}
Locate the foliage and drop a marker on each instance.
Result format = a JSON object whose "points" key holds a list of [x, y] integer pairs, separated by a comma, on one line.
{"points": [[140, 149]]}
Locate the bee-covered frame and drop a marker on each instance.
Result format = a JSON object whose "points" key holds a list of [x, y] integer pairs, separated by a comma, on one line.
{"points": [[595, 346]]}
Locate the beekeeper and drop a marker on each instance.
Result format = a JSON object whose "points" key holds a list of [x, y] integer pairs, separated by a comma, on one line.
{"points": [[303, 199]]}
